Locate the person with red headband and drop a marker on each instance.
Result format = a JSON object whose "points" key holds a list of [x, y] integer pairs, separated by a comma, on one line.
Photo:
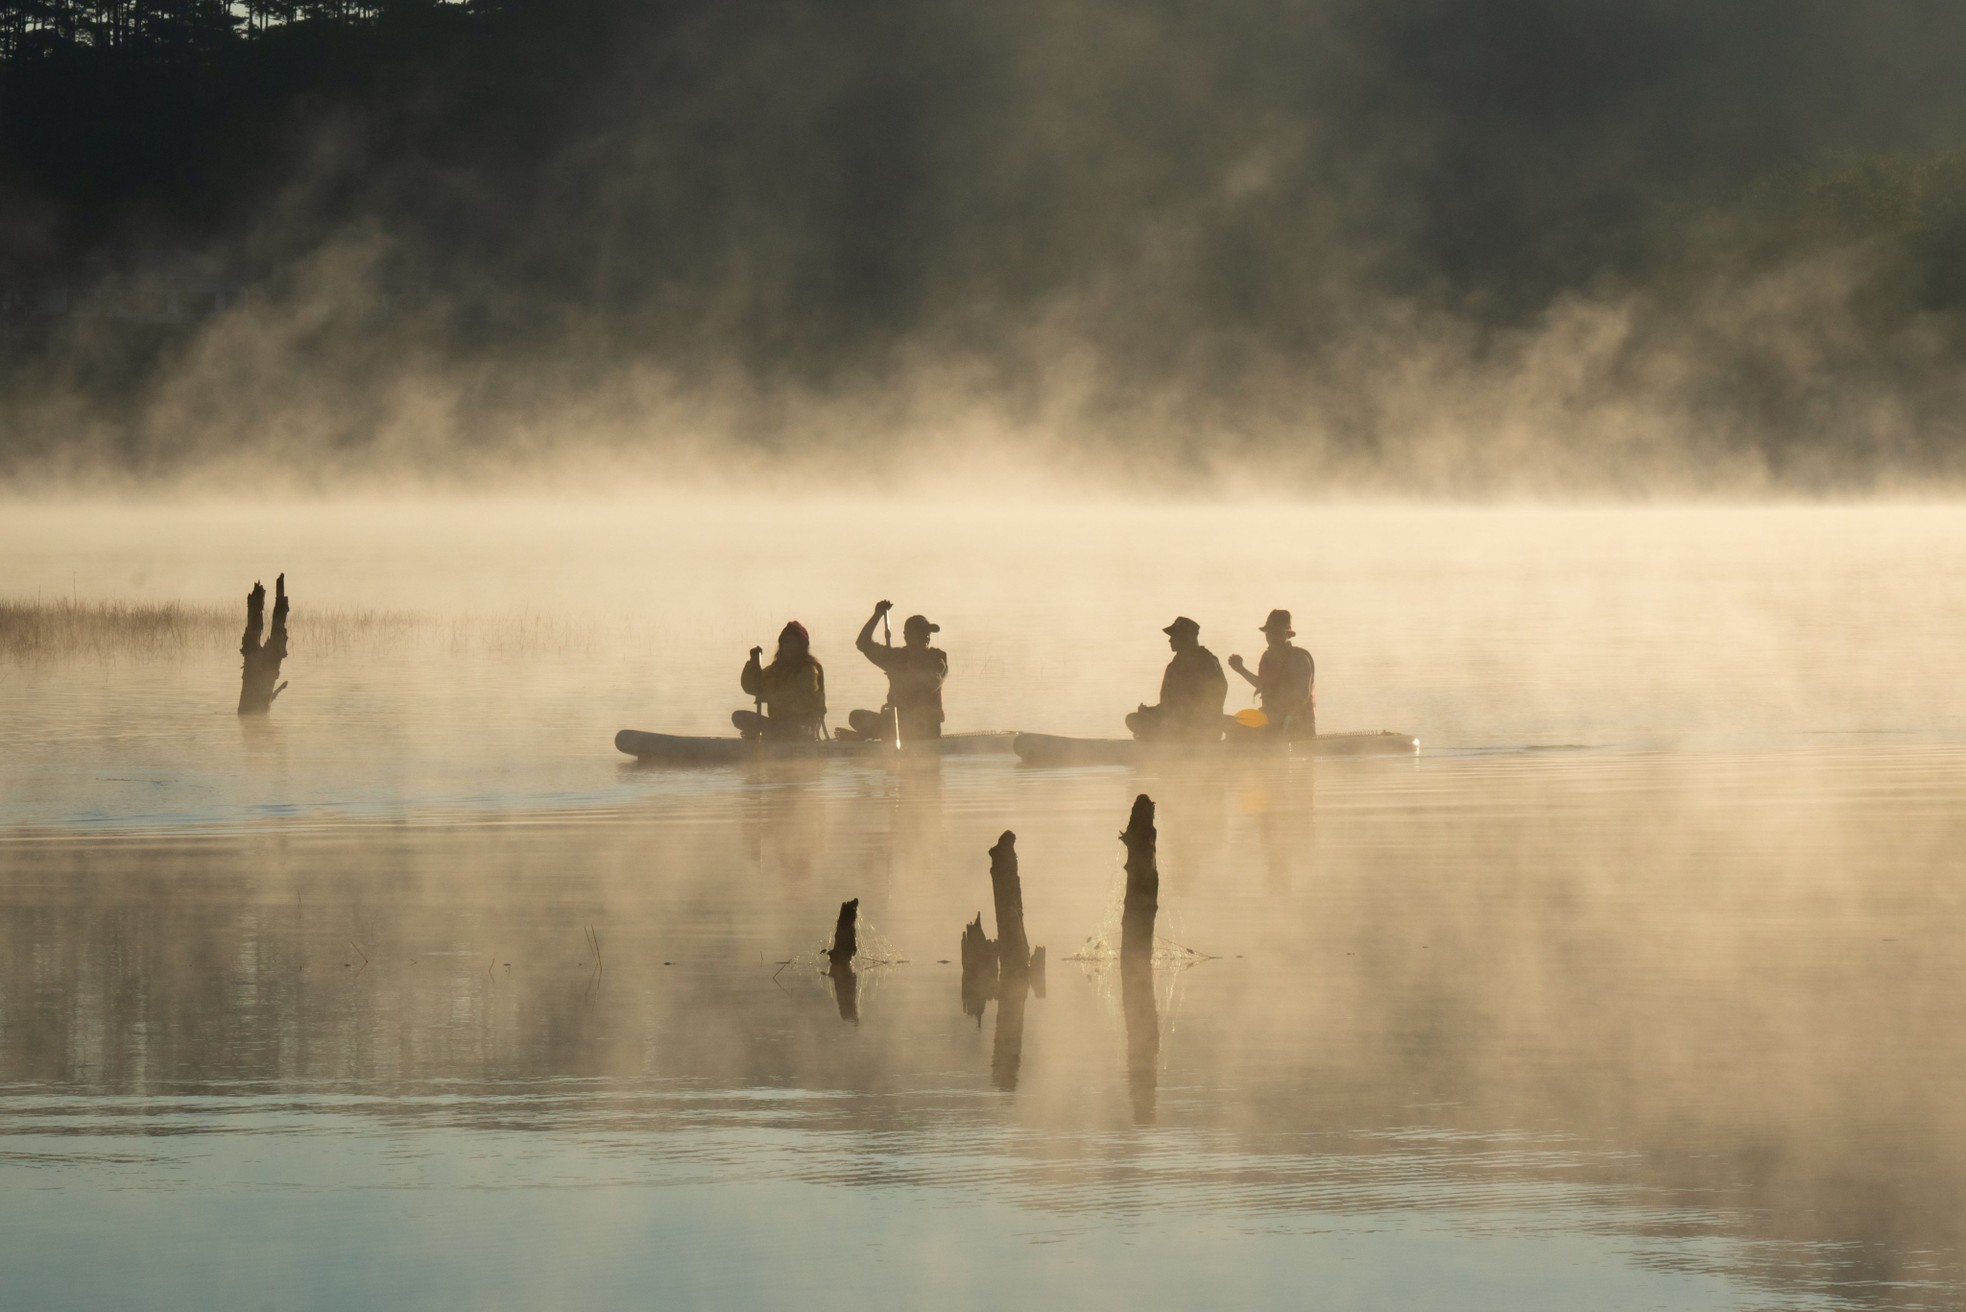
{"points": [[791, 691]]}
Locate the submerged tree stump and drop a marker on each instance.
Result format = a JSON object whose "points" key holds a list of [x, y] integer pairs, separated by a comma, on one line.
{"points": [[846, 944], [993, 969], [846, 940], [1137, 958], [261, 672], [1007, 890], [1142, 882], [1007, 970]]}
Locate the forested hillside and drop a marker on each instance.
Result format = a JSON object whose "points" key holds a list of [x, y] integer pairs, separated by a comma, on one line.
{"points": [[1329, 228]]}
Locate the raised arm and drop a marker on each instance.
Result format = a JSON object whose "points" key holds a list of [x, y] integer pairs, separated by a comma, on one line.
{"points": [[1235, 663], [752, 680], [865, 643]]}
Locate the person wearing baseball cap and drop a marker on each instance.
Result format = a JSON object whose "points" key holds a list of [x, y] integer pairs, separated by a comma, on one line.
{"points": [[1192, 691], [915, 672], [790, 692], [1285, 681]]}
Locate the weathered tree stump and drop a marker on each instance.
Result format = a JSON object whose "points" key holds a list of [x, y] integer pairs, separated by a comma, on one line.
{"points": [[1007, 970], [1007, 890], [1137, 958], [261, 672], [992, 969], [1142, 882], [846, 944], [846, 939]]}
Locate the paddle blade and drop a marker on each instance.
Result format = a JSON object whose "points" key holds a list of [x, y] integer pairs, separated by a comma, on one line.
{"points": [[1252, 718]]}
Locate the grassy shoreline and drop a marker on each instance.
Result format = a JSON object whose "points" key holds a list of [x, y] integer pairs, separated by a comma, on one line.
{"points": [[65, 628]]}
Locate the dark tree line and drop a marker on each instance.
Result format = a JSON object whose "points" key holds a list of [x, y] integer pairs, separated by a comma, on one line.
{"points": [[42, 29], [133, 125], [1206, 204]]}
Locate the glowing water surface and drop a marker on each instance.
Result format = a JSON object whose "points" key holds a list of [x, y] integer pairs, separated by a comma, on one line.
{"points": [[1636, 989]]}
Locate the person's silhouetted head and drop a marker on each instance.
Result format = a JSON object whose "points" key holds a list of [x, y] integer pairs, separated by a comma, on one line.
{"points": [[1183, 633], [1277, 628], [915, 632], [793, 641]]}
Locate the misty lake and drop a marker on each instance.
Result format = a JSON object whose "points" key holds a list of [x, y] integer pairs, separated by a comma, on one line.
{"points": [[1636, 988]]}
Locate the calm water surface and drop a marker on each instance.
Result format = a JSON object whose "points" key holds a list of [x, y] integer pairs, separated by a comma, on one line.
{"points": [[1637, 989]]}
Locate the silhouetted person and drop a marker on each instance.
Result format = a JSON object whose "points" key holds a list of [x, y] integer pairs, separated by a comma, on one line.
{"points": [[1285, 681], [1191, 692], [792, 690], [259, 680], [915, 672]]}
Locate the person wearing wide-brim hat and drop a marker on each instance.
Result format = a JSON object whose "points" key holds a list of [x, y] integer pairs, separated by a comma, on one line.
{"points": [[1285, 680], [1192, 691], [915, 672]]}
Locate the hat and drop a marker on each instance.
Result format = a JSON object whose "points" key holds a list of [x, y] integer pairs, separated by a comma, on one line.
{"points": [[1182, 624], [920, 622], [794, 629], [1279, 621]]}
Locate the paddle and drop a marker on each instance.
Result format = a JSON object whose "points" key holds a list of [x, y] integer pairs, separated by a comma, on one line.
{"points": [[758, 700], [887, 636]]}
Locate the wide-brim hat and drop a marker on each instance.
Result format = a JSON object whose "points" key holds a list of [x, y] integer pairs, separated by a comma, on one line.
{"points": [[920, 622], [1182, 624], [1279, 622]]}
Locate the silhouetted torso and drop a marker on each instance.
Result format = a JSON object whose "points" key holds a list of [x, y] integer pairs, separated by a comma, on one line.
{"points": [[1192, 694], [914, 686], [793, 690], [1285, 686]]}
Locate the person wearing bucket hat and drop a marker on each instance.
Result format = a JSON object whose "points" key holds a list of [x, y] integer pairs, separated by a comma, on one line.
{"points": [[1191, 691], [790, 692], [1285, 680], [915, 672]]}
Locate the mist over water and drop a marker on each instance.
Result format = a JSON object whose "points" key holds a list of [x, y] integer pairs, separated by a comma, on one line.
{"points": [[1631, 990], [528, 632]]}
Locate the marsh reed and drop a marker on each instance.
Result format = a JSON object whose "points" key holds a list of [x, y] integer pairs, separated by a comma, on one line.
{"points": [[69, 628], [42, 628]]}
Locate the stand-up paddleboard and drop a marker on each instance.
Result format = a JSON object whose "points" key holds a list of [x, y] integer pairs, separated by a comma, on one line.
{"points": [[1048, 749], [682, 749]]}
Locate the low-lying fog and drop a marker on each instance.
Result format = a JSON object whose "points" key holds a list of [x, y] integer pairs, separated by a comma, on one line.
{"points": [[1629, 991]]}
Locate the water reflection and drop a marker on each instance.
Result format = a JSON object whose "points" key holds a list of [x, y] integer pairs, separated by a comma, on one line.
{"points": [[411, 983], [1142, 1035], [1696, 1010], [1007, 1041]]}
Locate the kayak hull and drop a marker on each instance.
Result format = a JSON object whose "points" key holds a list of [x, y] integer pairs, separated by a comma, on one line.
{"points": [[685, 749], [1049, 749]]}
